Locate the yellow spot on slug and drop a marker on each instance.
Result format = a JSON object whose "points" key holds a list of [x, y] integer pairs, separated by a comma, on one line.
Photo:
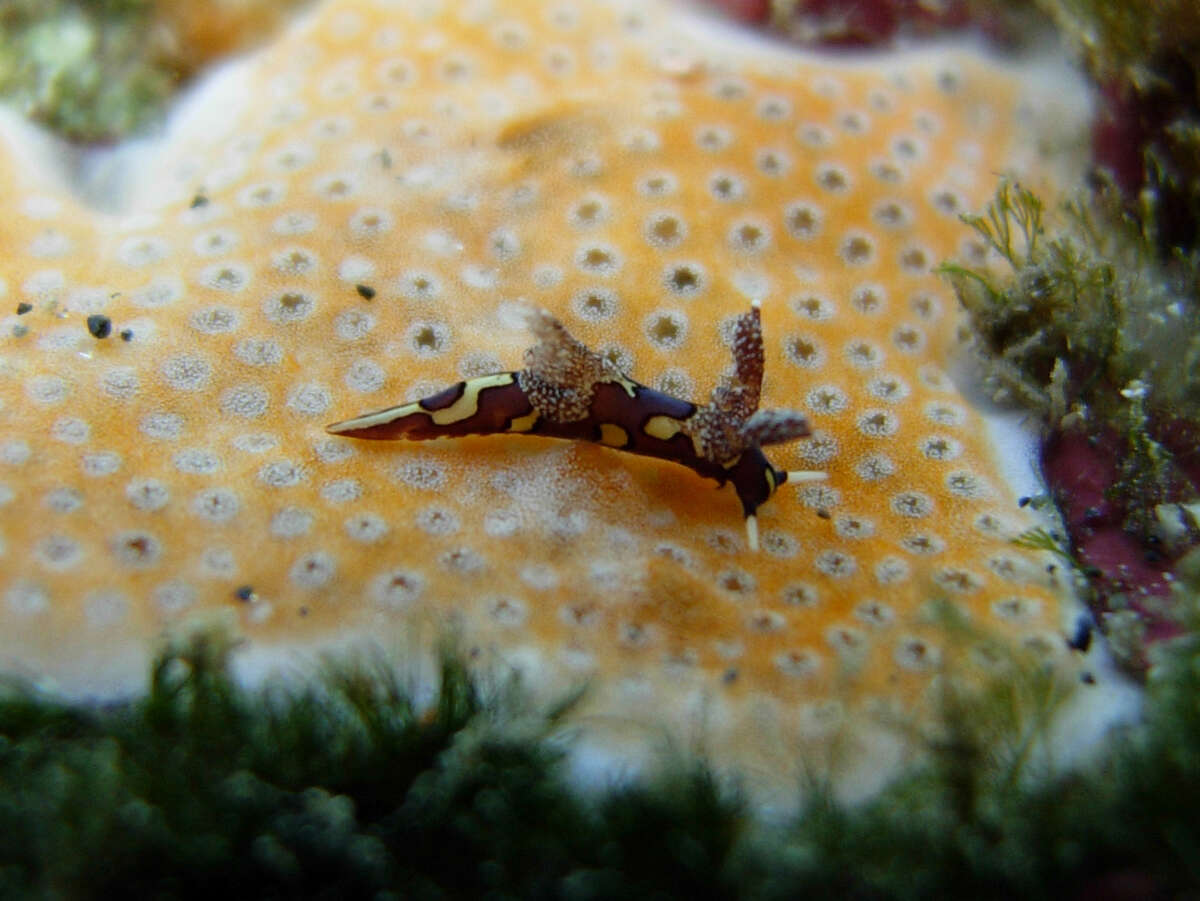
{"points": [[524, 423], [468, 405], [629, 386], [613, 435], [664, 428], [379, 417]]}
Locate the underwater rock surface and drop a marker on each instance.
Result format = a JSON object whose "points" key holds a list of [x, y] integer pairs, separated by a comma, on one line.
{"points": [[357, 215]]}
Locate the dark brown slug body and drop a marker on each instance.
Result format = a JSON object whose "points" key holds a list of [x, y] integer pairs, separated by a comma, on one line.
{"points": [[567, 391]]}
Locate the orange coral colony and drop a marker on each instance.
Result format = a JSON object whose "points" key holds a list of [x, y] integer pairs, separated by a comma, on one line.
{"points": [[368, 222]]}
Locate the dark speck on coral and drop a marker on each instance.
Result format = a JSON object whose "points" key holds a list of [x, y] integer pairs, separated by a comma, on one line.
{"points": [[100, 326]]}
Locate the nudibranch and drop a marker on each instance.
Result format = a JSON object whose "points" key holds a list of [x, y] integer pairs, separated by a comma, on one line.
{"points": [[569, 391]]}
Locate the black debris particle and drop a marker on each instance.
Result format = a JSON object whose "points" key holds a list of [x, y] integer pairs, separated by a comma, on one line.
{"points": [[1082, 639], [126, 334], [100, 326], [198, 201], [244, 593], [24, 307], [366, 292]]}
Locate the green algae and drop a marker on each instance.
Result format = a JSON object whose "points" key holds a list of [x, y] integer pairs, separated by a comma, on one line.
{"points": [[347, 788], [88, 71], [95, 71], [1146, 56], [1128, 40], [1083, 322]]}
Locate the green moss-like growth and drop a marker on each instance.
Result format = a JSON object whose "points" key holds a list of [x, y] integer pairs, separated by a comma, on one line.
{"points": [[1122, 38], [344, 789], [91, 72], [1082, 324], [1146, 56], [102, 70], [1050, 307]]}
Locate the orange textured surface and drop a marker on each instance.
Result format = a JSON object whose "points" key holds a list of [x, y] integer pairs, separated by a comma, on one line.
{"points": [[461, 163]]}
